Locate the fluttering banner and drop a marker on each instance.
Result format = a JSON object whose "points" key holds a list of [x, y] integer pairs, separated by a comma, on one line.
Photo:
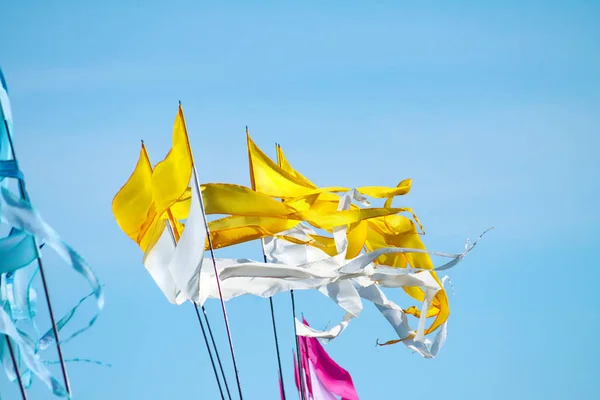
{"points": [[19, 264]]}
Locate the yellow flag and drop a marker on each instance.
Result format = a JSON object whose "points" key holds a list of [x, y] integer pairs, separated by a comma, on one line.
{"points": [[266, 177], [172, 175], [285, 182], [133, 203], [269, 178], [134, 207]]}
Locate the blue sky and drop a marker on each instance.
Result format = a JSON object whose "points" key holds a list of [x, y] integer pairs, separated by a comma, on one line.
{"points": [[492, 109]]}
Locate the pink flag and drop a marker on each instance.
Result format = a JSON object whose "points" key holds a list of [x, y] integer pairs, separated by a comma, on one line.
{"points": [[319, 391], [323, 376]]}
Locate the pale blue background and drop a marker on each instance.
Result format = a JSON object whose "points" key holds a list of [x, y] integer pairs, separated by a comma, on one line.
{"points": [[492, 108]]}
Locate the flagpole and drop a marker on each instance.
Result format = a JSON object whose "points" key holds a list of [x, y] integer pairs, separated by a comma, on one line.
{"points": [[262, 242], [175, 238], [212, 338], [276, 343], [214, 262], [275, 330], [297, 343], [294, 311], [16, 367], [212, 254], [210, 353], [25, 197], [15, 363]]}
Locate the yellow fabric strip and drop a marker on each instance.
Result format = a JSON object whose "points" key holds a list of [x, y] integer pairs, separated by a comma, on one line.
{"points": [[399, 231], [220, 198], [283, 163], [238, 229], [325, 220]]}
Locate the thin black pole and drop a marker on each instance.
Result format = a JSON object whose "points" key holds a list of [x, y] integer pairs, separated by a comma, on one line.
{"points": [[277, 346], [212, 338], [297, 346], [270, 298], [16, 366], [212, 361], [175, 238], [214, 260], [25, 197], [274, 329], [294, 312]]}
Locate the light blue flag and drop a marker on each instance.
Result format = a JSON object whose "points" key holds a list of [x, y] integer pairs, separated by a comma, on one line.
{"points": [[17, 252], [22, 216]]}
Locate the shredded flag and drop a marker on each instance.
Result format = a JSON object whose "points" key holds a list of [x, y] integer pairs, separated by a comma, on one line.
{"points": [[382, 232], [18, 252]]}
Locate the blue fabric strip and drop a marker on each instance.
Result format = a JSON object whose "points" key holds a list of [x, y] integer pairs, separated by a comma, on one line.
{"points": [[48, 337], [10, 169], [17, 251], [30, 359]]}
